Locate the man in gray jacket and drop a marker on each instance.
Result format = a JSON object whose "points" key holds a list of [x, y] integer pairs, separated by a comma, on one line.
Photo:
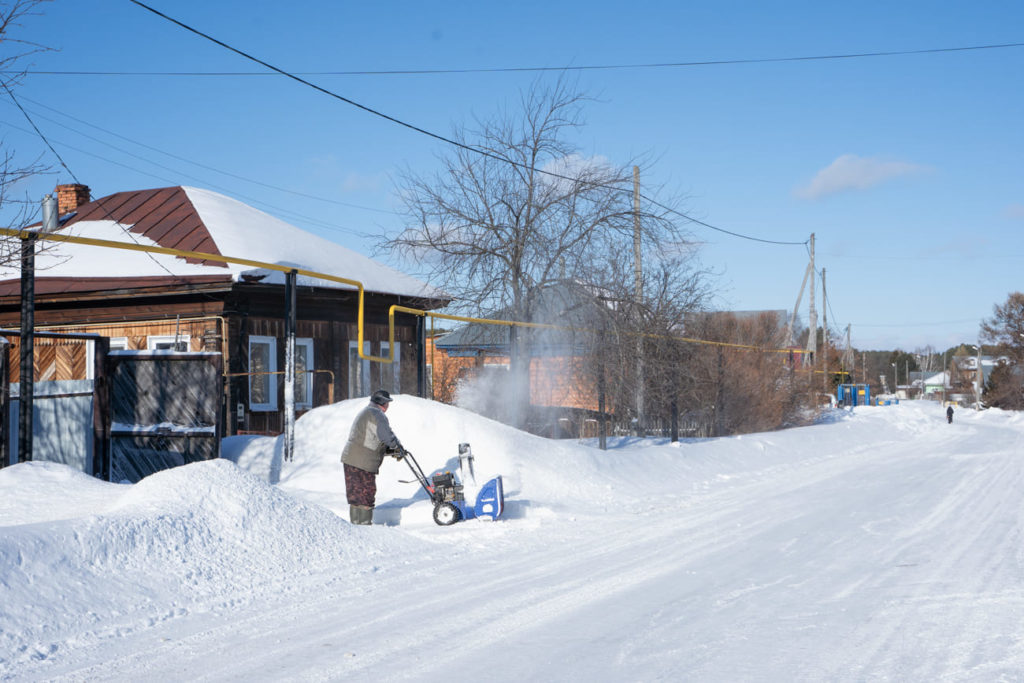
{"points": [[369, 441]]}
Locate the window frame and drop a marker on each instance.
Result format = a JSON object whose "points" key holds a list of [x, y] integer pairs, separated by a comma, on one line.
{"points": [[154, 340], [358, 370], [304, 402], [271, 406]]}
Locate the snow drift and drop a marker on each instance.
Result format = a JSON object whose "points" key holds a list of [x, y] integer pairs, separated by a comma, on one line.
{"points": [[880, 543]]}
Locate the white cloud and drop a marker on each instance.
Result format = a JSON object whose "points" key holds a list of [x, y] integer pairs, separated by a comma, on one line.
{"points": [[851, 172]]}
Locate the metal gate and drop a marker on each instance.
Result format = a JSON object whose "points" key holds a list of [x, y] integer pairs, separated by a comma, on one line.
{"points": [[165, 410], [67, 408]]}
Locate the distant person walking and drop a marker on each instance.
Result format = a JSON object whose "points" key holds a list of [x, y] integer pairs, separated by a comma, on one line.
{"points": [[949, 414], [369, 441]]}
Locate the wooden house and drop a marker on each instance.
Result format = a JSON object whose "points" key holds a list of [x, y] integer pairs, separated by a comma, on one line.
{"points": [[154, 301]]}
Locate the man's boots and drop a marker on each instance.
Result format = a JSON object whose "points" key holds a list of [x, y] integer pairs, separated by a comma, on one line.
{"points": [[360, 514]]}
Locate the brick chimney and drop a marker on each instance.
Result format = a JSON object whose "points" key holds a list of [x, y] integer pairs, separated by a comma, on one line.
{"points": [[70, 197]]}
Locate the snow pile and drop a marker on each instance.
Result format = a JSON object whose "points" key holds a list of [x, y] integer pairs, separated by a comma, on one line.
{"points": [[533, 468], [77, 551], [879, 544]]}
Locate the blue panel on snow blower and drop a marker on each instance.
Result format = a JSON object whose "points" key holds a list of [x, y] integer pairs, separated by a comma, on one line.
{"points": [[490, 502]]}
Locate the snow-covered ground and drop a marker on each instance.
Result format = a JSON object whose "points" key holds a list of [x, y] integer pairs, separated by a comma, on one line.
{"points": [[881, 544]]}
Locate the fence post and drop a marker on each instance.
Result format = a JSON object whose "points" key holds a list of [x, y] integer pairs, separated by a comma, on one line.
{"points": [[289, 365], [602, 420], [101, 409], [675, 420], [5, 399], [26, 377], [421, 356]]}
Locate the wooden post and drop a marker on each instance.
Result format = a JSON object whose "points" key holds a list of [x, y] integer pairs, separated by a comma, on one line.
{"points": [[101, 408], [824, 332], [602, 418], [27, 374], [289, 364], [421, 356], [675, 419], [5, 397], [638, 291]]}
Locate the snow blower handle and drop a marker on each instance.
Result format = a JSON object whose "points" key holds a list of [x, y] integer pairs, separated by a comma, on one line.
{"points": [[417, 472]]}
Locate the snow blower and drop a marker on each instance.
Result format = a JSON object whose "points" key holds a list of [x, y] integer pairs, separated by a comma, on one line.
{"points": [[447, 492]]}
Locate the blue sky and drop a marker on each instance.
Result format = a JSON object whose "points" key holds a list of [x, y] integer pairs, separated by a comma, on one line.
{"points": [[907, 168]]}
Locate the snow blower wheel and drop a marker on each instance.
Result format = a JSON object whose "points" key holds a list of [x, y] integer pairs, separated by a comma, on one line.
{"points": [[446, 514], [448, 495]]}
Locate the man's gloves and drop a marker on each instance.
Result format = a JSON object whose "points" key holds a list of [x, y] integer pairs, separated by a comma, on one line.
{"points": [[397, 452]]}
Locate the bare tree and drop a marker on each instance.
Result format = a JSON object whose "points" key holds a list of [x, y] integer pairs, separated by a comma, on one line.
{"points": [[674, 288], [516, 209], [17, 211], [1005, 329], [741, 389]]}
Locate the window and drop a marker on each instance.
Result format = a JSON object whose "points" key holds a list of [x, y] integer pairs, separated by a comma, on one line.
{"points": [[358, 370], [119, 343], [391, 373], [262, 387], [166, 342], [303, 379]]}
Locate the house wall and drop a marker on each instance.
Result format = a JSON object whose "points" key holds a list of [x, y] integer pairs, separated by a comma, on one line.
{"points": [[223, 321], [330, 358], [66, 359]]}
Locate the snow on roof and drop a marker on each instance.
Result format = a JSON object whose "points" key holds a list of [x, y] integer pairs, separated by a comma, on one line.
{"points": [[237, 230], [240, 230]]}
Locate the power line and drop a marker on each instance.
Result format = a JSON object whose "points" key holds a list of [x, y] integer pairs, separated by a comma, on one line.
{"points": [[124, 229], [712, 227], [519, 69], [190, 161], [436, 136], [36, 129], [314, 221]]}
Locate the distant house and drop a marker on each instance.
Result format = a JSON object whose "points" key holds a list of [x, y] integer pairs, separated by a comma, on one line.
{"points": [[964, 370], [152, 301], [932, 383]]}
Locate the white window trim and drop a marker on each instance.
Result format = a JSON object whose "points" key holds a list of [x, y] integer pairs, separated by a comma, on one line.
{"points": [[306, 402], [271, 379], [116, 344], [363, 376], [392, 369], [153, 340]]}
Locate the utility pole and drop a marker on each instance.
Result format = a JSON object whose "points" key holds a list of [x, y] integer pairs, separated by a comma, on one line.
{"points": [[28, 322], [848, 355], [812, 315], [824, 332], [638, 288]]}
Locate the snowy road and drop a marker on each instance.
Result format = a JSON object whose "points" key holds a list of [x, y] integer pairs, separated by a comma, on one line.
{"points": [[886, 546]]}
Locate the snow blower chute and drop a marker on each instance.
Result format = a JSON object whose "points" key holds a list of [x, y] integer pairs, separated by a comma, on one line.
{"points": [[447, 492]]}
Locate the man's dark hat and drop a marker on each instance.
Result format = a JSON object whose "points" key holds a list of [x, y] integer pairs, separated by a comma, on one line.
{"points": [[381, 397]]}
